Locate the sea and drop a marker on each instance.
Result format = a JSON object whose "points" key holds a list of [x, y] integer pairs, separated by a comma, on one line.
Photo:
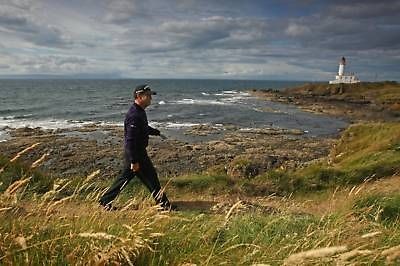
{"points": [[178, 105]]}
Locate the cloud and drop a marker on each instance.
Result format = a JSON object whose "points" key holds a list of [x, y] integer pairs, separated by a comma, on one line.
{"points": [[21, 4], [16, 20], [365, 9], [297, 30], [124, 11], [335, 29], [206, 33], [54, 64], [12, 18], [263, 39]]}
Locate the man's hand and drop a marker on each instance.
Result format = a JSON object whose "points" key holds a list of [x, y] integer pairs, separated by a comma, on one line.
{"points": [[135, 167]]}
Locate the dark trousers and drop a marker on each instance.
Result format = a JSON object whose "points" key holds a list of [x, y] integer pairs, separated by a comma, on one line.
{"points": [[147, 175]]}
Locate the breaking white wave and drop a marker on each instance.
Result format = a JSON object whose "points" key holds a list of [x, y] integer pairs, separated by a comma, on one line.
{"points": [[230, 92], [12, 117], [49, 123], [200, 102], [174, 125], [182, 125]]}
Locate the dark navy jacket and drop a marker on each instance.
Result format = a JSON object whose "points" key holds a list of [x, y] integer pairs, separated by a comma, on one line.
{"points": [[136, 133]]}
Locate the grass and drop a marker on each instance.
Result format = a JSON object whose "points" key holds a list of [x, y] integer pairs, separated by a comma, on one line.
{"points": [[364, 152], [379, 207], [209, 183], [46, 221], [79, 233]]}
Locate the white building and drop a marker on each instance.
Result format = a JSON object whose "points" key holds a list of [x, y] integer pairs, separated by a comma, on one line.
{"points": [[342, 77]]}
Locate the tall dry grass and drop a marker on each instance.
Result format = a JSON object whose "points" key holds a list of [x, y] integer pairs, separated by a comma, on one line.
{"points": [[59, 227]]}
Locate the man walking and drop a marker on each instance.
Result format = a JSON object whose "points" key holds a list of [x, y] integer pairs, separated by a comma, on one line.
{"points": [[137, 162]]}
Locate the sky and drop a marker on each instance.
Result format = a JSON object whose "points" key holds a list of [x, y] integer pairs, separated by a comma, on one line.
{"points": [[218, 39]]}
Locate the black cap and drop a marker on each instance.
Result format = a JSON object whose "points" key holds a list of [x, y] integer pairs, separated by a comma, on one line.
{"points": [[142, 89]]}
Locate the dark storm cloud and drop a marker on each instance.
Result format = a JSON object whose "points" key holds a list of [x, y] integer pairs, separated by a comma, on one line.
{"points": [[18, 22], [206, 33], [350, 26], [12, 21], [365, 9]]}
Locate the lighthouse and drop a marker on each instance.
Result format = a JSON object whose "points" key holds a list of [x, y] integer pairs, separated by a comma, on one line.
{"points": [[341, 66], [342, 77]]}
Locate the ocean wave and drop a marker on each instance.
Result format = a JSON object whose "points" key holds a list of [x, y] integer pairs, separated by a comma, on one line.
{"points": [[181, 125], [233, 100], [43, 123], [28, 108], [50, 123], [231, 97], [12, 117], [199, 102], [173, 125], [230, 92]]}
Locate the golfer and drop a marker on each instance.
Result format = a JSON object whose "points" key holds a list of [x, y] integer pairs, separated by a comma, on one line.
{"points": [[137, 162]]}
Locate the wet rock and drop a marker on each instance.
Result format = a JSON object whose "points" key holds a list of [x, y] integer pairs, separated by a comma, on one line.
{"points": [[219, 146], [197, 147], [188, 147], [68, 154]]}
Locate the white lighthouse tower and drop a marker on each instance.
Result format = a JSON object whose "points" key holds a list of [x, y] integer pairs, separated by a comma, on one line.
{"points": [[341, 77], [341, 66]]}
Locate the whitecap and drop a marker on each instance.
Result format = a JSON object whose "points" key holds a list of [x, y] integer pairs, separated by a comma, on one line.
{"points": [[200, 102], [174, 125], [230, 92], [42, 123]]}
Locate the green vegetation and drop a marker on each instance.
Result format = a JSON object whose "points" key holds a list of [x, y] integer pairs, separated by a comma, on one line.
{"points": [[364, 152], [377, 207], [374, 91], [385, 94], [58, 221]]}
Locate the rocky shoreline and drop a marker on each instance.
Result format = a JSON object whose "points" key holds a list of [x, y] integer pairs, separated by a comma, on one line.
{"points": [[242, 154], [355, 102]]}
